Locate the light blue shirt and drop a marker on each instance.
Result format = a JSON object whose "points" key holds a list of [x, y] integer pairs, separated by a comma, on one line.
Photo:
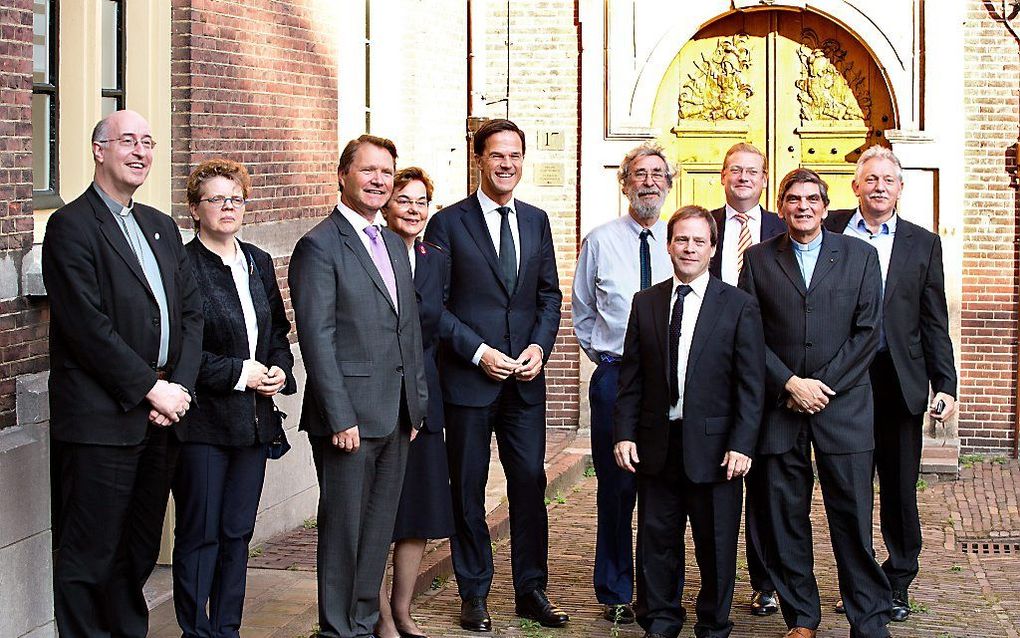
{"points": [[883, 243], [127, 223], [607, 276], [807, 256]]}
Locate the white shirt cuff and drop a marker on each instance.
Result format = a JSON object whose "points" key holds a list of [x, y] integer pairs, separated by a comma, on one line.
{"points": [[242, 382], [482, 349]]}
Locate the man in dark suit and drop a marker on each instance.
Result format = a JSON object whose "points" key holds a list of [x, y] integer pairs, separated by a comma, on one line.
{"points": [[125, 347], [499, 329], [365, 398], [914, 351], [687, 417], [819, 294], [742, 223]]}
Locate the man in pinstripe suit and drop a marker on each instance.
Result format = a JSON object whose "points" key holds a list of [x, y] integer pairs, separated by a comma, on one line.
{"points": [[819, 294]]}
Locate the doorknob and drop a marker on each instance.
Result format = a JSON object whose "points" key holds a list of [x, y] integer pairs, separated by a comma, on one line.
{"points": [[789, 149]]}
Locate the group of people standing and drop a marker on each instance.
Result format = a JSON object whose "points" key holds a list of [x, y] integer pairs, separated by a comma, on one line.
{"points": [[779, 342], [166, 358]]}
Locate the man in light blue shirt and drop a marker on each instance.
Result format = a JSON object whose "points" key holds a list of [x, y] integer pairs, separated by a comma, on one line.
{"points": [[618, 259]]}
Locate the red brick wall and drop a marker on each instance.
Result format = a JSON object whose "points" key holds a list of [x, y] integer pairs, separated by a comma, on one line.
{"points": [[992, 212], [23, 323], [255, 81]]}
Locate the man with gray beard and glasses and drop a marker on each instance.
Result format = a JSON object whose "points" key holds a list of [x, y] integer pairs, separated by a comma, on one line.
{"points": [[618, 259]]}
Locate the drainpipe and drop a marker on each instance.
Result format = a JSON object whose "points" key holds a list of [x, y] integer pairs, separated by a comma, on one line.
{"points": [[1007, 16]]}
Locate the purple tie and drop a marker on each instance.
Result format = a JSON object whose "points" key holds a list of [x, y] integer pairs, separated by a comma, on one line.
{"points": [[382, 261]]}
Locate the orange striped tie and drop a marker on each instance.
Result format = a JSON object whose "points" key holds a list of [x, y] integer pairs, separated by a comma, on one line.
{"points": [[744, 241]]}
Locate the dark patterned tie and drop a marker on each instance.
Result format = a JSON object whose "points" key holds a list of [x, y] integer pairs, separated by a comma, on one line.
{"points": [[674, 343], [646, 260], [507, 250]]}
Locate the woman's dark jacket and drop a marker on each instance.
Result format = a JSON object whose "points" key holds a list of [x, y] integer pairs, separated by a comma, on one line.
{"points": [[220, 415], [432, 286]]}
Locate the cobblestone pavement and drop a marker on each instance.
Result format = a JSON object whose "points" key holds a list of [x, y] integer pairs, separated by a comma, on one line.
{"points": [[957, 594]]}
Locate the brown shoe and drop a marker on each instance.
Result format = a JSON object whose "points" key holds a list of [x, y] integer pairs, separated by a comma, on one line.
{"points": [[801, 632]]}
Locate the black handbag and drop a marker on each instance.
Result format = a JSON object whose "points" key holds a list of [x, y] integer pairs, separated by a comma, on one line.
{"points": [[279, 445]]}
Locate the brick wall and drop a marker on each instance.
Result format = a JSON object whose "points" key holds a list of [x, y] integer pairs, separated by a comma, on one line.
{"points": [[533, 58], [991, 216], [256, 81], [23, 323]]}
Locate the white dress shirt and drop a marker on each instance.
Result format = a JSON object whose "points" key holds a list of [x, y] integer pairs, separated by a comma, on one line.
{"points": [[360, 224], [731, 239], [692, 306], [493, 220]]}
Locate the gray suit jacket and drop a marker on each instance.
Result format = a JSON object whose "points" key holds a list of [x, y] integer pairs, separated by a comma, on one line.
{"points": [[826, 331], [363, 358]]}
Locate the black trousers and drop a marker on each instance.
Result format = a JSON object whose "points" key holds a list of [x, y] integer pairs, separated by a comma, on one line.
{"points": [[898, 462], [666, 502], [113, 504], [358, 497], [847, 491], [520, 437], [216, 494], [755, 529]]}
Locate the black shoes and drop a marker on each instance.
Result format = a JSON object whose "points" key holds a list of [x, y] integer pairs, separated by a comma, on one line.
{"points": [[621, 614], [536, 606], [900, 606], [474, 616], [764, 603], [649, 634]]}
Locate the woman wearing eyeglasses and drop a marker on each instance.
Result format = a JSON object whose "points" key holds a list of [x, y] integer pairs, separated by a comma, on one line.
{"points": [[246, 360], [425, 510]]}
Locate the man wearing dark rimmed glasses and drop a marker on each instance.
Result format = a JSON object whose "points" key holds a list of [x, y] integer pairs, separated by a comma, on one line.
{"points": [[125, 346], [618, 259]]}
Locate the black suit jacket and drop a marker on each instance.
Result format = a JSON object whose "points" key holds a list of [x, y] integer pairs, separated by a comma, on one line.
{"points": [[104, 321], [771, 225], [432, 286], [723, 388], [828, 331], [914, 312], [480, 308], [222, 415], [363, 357]]}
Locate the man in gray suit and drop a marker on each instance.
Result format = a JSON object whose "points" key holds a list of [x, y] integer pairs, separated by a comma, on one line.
{"points": [[357, 321], [820, 295]]}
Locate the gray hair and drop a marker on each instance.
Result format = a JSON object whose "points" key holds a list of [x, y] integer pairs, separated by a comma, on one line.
{"points": [[101, 130], [645, 150], [878, 152]]}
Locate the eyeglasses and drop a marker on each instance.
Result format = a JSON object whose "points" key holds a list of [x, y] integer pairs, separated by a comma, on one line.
{"points": [[737, 171], [130, 141], [407, 202], [641, 175], [221, 201]]}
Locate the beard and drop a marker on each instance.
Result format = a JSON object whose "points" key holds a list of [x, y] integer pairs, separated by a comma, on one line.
{"points": [[646, 211]]}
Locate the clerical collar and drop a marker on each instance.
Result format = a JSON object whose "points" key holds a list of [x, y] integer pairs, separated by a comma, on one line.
{"points": [[811, 245], [115, 207]]}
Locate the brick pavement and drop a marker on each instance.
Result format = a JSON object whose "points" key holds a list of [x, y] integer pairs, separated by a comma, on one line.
{"points": [[974, 594]]}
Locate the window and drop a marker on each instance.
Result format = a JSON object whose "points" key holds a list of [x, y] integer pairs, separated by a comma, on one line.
{"points": [[113, 56], [44, 104]]}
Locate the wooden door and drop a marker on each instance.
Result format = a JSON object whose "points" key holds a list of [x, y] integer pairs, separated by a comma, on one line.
{"points": [[793, 83]]}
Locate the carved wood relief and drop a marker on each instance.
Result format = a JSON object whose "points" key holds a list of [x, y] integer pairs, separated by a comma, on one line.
{"points": [[830, 87], [718, 89]]}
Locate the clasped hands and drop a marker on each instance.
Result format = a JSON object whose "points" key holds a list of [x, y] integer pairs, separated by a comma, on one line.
{"points": [[626, 455], [808, 396], [170, 402], [500, 366], [265, 381]]}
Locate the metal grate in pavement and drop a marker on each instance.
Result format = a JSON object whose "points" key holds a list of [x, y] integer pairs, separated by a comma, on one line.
{"points": [[999, 547]]}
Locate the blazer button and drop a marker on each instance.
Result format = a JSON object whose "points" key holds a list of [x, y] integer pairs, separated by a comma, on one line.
{"points": [[506, 337], [155, 321], [400, 369], [809, 344]]}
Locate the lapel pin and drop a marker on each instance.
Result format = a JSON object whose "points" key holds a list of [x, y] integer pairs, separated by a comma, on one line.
{"points": [[156, 236]]}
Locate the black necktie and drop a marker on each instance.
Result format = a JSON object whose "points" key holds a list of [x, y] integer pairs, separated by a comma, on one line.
{"points": [[674, 343], [507, 250], [646, 260]]}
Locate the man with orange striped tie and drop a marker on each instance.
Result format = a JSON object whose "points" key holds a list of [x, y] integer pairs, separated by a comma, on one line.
{"points": [[742, 223]]}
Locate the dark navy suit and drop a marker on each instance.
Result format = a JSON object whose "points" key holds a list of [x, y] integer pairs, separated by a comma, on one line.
{"points": [[480, 310]]}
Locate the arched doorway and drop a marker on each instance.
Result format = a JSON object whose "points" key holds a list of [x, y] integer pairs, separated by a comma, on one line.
{"points": [[794, 83]]}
